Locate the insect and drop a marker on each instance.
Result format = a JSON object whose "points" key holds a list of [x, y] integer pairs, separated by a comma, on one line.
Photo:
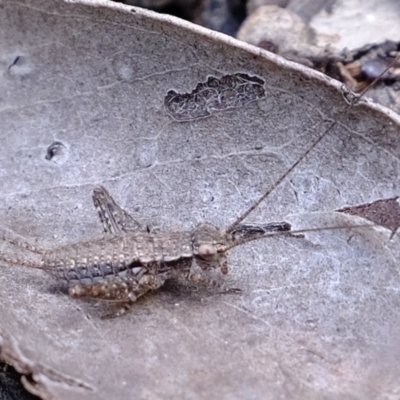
{"points": [[128, 260]]}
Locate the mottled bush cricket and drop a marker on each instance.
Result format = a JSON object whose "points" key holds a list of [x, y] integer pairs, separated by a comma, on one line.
{"points": [[129, 261]]}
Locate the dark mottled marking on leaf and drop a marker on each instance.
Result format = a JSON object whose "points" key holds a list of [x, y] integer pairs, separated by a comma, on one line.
{"points": [[384, 212], [14, 62], [54, 149], [230, 91]]}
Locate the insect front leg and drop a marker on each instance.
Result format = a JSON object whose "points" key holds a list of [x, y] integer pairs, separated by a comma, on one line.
{"points": [[206, 278], [184, 272]]}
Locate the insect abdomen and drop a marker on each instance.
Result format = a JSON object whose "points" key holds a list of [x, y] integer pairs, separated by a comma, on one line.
{"points": [[117, 255]]}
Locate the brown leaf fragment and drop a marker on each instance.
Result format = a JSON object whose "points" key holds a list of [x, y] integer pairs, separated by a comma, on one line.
{"points": [[385, 212]]}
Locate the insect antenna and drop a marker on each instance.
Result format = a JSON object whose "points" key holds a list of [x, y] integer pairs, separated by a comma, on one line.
{"points": [[351, 101], [279, 181]]}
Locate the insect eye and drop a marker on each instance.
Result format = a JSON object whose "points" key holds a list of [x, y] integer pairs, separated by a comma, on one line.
{"points": [[207, 251]]}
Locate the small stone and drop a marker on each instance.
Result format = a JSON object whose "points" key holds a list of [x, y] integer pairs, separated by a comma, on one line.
{"points": [[277, 26]]}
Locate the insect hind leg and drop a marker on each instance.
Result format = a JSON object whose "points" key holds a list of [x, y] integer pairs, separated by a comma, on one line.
{"points": [[22, 259], [19, 243], [18, 261], [117, 290]]}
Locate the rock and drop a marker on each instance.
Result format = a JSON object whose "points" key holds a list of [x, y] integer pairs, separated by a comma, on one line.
{"points": [[252, 5], [280, 28]]}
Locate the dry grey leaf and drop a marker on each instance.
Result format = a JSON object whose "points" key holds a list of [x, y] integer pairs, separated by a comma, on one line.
{"points": [[82, 94]]}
